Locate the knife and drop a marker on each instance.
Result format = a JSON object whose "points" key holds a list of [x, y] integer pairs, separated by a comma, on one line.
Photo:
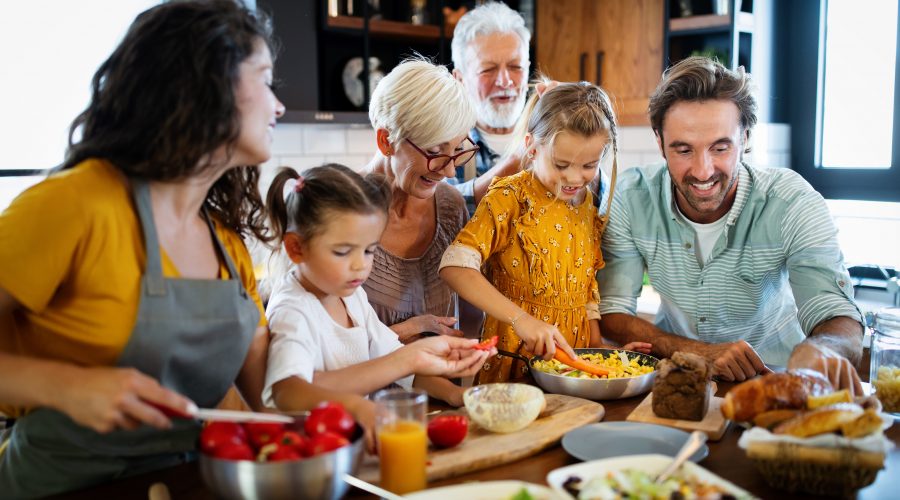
{"points": [[222, 415]]}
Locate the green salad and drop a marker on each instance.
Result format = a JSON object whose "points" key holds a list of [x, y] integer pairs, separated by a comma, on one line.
{"points": [[637, 484]]}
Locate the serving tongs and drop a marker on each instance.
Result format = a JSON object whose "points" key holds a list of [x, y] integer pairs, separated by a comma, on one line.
{"points": [[562, 357]]}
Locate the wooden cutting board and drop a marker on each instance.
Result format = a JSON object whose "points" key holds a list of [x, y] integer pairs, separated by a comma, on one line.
{"points": [[713, 424], [482, 448]]}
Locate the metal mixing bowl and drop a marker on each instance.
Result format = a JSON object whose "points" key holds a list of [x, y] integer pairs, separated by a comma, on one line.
{"points": [[595, 389], [319, 477]]}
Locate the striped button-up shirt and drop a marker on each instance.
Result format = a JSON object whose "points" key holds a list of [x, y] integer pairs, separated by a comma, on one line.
{"points": [[774, 274]]}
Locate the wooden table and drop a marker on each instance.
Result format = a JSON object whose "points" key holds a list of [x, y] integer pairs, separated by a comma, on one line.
{"points": [[725, 459]]}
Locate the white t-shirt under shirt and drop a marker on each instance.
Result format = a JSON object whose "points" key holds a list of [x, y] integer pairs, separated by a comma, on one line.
{"points": [[707, 236], [305, 339]]}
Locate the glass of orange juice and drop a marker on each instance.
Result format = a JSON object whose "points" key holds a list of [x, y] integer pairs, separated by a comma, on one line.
{"points": [[402, 441]]}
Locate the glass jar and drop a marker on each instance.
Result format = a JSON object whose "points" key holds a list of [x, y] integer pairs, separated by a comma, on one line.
{"points": [[884, 371]]}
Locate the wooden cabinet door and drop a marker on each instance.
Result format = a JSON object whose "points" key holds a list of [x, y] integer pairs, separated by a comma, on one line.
{"points": [[629, 44], [565, 40], [614, 43]]}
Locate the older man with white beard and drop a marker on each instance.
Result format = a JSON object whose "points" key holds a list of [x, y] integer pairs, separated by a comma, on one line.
{"points": [[490, 58]]}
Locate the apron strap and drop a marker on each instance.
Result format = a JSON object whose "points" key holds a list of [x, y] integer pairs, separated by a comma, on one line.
{"points": [[232, 270], [153, 274]]}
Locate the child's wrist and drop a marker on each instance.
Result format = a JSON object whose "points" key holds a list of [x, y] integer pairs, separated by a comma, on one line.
{"points": [[517, 317]]}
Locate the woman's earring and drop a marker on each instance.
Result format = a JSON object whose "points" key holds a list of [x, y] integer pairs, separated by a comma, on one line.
{"points": [[531, 155]]}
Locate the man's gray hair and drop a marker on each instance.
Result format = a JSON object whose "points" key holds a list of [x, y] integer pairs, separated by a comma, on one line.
{"points": [[491, 17]]}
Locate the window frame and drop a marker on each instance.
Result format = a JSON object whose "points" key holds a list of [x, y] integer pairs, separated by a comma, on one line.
{"points": [[808, 25]]}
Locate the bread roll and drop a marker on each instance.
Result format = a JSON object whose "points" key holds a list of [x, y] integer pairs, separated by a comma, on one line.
{"points": [[821, 420], [865, 424], [769, 419], [774, 391]]}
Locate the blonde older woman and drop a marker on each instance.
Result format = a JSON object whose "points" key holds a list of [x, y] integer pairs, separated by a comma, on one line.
{"points": [[421, 116]]}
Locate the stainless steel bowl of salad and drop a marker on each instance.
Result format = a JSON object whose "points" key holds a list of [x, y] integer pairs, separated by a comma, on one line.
{"points": [[630, 373]]}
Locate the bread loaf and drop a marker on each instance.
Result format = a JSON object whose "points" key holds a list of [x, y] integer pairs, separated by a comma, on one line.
{"points": [[774, 391], [681, 389], [821, 420]]}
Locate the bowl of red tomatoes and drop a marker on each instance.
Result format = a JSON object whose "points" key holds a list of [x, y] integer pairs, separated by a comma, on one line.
{"points": [[262, 460]]}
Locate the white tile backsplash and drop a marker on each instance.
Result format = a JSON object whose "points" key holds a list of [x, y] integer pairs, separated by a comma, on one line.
{"points": [[324, 140], [361, 140]]}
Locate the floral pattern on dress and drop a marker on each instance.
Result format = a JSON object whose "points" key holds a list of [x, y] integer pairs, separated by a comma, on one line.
{"points": [[516, 229]]}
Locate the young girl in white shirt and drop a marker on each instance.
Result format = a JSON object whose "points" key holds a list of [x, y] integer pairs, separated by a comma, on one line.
{"points": [[324, 332]]}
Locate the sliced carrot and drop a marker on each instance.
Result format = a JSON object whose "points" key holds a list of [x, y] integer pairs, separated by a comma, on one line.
{"points": [[579, 363]]}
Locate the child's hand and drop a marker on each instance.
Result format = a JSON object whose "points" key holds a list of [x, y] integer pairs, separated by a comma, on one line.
{"points": [[363, 411], [540, 338], [411, 329], [643, 347], [447, 356]]}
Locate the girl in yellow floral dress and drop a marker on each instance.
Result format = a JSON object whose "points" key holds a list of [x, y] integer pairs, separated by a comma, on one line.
{"points": [[535, 235]]}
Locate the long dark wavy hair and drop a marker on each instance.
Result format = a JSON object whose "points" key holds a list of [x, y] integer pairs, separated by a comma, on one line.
{"points": [[165, 100]]}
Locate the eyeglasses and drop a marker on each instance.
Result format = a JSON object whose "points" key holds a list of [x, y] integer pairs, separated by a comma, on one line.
{"points": [[439, 162]]}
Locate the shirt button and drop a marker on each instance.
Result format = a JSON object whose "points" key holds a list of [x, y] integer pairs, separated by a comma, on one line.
{"points": [[688, 246], [841, 283], [702, 319]]}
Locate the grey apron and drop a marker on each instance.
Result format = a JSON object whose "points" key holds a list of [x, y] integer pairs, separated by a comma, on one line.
{"points": [[191, 335]]}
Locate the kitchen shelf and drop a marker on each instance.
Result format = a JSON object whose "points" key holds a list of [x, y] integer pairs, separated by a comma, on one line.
{"points": [[710, 23], [387, 29]]}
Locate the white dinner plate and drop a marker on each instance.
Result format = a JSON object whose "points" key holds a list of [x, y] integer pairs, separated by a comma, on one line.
{"points": [[652, 464], [616, 439], [486, 490]]}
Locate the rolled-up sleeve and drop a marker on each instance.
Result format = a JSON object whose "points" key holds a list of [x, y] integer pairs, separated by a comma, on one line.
{"points": [[621, 280], [819, 280]]}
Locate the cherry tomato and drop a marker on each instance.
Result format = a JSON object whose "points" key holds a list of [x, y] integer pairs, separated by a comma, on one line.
{"points": [[330, 417], [277, 452], [294, 440], [263, 433], [234, 451], [325, 442], [487, 344], [447, 431], [217, 434]]}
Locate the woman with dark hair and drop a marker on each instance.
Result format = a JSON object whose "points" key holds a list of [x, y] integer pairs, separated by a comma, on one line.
{"points": [[124, 281]]}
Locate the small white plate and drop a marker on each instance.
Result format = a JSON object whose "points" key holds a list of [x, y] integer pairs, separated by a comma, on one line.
{"points": [[652, 464], [487, 490], [616, 439]]}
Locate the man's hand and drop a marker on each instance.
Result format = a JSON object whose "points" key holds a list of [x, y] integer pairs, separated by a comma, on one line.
{"points": [[734, 361], [838, 369]]}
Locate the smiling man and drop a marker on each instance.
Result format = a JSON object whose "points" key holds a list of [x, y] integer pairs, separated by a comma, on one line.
{"points": [[745, 260], [490, 58]]}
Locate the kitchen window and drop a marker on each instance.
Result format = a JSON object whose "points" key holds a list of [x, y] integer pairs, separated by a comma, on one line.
{"points": [[51, 51], [845, 120]]}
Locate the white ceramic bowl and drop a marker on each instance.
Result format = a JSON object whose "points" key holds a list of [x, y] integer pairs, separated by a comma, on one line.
{"points": [[503, 407]]}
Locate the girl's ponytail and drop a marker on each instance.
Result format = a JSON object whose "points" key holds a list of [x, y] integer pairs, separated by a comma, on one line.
{"points": [[277, 204]]}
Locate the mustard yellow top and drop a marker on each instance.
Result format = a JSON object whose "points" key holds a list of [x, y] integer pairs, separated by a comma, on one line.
{"points": [[538, 251], [73, 256]]}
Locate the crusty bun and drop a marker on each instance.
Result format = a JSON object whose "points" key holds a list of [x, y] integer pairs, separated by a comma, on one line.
{"points": [[788, 390], [865, 424], [821, 420], [769, 419]]}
